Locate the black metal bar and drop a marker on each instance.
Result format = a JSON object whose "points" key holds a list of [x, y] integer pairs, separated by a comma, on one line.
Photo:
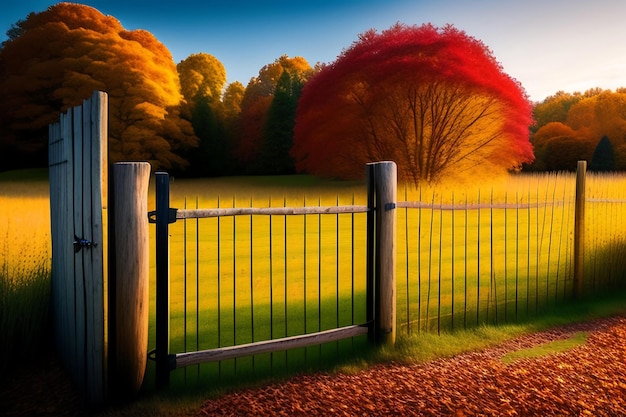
{"points": [[162, 280], [452, 272], [185, 283], [337, 268], [197, 287], [407, 266], [478, 266], [252, 283], [371, 241]]}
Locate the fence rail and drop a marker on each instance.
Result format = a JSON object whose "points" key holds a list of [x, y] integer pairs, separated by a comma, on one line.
{"points": [[267, 211]]}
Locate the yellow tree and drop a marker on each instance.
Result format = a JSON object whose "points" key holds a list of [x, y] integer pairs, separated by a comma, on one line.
{"points": [[554, 108], [202, 78], [232, 98], [201, 75], [59, 56]]}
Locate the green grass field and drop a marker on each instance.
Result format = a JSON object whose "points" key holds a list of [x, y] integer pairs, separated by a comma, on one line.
{"points": [[272, 277], [290, 275]]}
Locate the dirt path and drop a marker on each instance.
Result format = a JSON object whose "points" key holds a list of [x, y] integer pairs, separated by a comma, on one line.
{"points": [[586, 380]]}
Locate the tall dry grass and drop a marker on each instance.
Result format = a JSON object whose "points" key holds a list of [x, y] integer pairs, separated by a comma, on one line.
{"points": [[25, 251]]}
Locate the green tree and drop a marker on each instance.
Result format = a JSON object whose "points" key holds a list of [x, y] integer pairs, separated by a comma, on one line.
{"points": [[202, 81], [214, 154], [255, 105], [274, 156], [603, 158]]}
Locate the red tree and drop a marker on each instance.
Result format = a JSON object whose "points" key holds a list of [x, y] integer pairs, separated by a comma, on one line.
{"points": [[434, 100]]}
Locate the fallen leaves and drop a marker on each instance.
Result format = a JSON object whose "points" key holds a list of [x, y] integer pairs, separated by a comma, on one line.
{"points": [[587, 380]]}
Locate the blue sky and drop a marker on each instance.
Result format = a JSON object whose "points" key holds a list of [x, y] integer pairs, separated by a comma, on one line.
{"points": [[548, 45]]}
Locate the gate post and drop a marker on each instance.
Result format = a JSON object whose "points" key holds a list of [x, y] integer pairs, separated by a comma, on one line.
{"points": [[579, 228], [131, 269], [383, 175], [162, 279]]}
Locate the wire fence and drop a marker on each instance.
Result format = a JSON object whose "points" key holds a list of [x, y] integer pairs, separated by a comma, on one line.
{"points": [[502, 255], [463, 259]]}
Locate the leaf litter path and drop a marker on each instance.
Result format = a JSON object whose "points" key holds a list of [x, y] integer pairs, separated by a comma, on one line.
{"points": [[589, 379]]}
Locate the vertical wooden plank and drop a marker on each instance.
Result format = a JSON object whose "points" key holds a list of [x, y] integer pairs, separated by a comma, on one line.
{"points": [[69, 316], [79, 264], [101, 167], [57, 163], [90, 275], [100, 126], [95, 165], [87, 219]]}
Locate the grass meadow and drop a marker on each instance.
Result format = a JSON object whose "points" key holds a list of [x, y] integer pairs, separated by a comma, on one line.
{"points": [[467, 256], [25, 252], [501, 254]]}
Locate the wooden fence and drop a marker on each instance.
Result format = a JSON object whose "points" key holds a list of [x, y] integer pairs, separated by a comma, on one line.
{"points": [[95, 275], [78, 200]]}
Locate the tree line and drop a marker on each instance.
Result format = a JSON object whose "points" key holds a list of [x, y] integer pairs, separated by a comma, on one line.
{"points": [[589, 126], [435, 100]]}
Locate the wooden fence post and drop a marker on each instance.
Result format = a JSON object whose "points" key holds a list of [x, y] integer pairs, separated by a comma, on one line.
{"points": [[579, 228], [130, 188], [385, 195]]}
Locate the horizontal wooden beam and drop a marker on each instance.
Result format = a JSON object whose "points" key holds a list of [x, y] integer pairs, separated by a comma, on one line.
{"points": [[268, 211], [219, 354], [476, 206]]}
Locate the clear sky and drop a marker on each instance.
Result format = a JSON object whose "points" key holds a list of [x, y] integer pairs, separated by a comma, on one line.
{"points": [[547, 45]]}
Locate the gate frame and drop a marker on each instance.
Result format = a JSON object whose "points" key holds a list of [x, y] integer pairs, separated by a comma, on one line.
{"points": [[380, 325]]}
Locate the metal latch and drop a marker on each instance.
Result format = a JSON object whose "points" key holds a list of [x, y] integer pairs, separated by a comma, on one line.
{"points": [[80, 243], [171, 214]]}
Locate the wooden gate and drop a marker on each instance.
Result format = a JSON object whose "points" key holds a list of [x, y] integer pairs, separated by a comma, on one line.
{"points": [[78, 210]]}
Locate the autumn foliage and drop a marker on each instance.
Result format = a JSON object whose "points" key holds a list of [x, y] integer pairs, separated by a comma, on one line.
{"points": [[256, 104], [434, 100], [56, 58], [570, 128]]}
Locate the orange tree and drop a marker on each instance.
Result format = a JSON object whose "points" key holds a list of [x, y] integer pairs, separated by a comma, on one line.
{"points": [[434, 100], [54, 59], [570, 126]]}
